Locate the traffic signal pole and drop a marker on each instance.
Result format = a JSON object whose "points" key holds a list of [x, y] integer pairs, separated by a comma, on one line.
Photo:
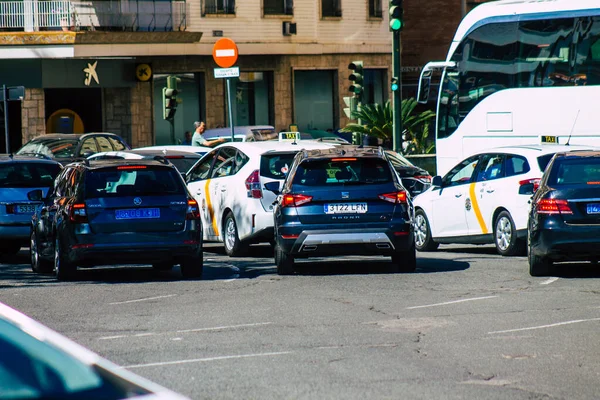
{"points": [[397, 94]]}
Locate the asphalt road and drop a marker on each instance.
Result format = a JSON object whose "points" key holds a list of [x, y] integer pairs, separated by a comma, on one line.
{"points": [[468, 324]]}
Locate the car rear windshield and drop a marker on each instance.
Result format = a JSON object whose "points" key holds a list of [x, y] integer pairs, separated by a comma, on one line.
{"points": [[133, 182], [27, 175], [54, 148], [276, 165], [342, 171], [575, 171]]}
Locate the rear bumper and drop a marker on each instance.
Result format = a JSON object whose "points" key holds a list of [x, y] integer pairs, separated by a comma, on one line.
{"points": [[317, 243], [16, 231], [567, 242]]}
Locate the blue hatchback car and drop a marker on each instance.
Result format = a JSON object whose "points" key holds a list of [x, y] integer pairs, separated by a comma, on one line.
{"points": [[18, 176], [114, 212], [343, 201]]}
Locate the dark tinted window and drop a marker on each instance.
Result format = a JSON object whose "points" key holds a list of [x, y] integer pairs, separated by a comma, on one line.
{"points": [[55, 148], [276, 165], [544, 160], [183, 164], [516, 165], [27, 175], [132, 182], [575, 171], [342, 171]]}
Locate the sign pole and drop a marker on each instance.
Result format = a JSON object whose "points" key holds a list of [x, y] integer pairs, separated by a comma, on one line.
{"points": [[6, 135], [229, 107]]}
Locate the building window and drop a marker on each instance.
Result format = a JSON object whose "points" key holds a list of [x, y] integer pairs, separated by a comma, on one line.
{"points": [[375, 9], [219, 6], [331, 8], [278, 7]]}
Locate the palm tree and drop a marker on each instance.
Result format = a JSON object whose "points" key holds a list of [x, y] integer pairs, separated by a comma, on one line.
{"points": [[377, 121]]}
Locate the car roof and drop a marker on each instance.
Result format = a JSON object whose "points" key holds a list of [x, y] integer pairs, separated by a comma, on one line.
{"points": [[97, 164], [346, 151], [536, 149], [163, 152], [180, 147], [580, 153], [273, 146], [73, 135], [6, 158]]}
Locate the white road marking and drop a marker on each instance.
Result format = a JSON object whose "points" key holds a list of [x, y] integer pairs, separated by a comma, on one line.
{"points": [[546, 326], [451, 302], [159, 364], [217, 328], [146, 299], [548, 281]]}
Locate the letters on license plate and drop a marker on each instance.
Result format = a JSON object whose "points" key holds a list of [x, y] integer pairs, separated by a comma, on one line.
{"points": [[25, 209], [593, 208], [346, 208], [137, 213]]}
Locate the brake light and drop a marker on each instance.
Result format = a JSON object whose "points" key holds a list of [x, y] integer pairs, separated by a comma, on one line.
{"points": [[535, 182], [396, 197], [553, 206], [343, 159], [131, 167], [295, 200], [78, 213], [253, 189], [193, 212]]}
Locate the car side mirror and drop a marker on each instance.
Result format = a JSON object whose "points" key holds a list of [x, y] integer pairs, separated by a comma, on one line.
{"points": [[274, 187], [35, 195], [436, 181]]}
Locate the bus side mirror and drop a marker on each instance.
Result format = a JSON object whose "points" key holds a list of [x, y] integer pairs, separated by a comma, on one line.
{"points": [[424, 87]]}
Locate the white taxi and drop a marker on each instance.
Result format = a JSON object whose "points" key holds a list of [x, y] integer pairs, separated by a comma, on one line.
{"points": [[484, 199], [228, 185]]}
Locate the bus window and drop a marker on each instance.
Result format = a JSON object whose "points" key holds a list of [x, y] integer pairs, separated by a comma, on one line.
{"points": [[448, 110]]}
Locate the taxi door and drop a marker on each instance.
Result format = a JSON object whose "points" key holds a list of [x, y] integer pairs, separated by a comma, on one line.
{"points": [[220, 188], [487, 191], [452, 203], [199, 184]]}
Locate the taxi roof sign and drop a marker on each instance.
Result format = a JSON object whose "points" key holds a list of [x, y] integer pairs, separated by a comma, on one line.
{"points": [[289, 136], [549, 139]]}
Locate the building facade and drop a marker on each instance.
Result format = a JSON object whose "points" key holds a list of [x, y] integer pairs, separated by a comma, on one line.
{"points": [[100, 65]]}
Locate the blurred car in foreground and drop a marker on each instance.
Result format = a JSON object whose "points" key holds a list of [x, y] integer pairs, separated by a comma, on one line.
{"points": [[182, 160], [484, 199], [18, 176], [342, 201], [39, 363], [564, 222], [69, 147], [114, 212], [415, 179]]}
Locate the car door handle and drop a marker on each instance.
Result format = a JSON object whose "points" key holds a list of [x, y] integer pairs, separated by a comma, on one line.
{"points": [[199, 193], [223, 189], [457, 195], [490, 190]]}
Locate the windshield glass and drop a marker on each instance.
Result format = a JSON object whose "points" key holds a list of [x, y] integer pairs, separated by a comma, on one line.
{"points": [[55, 148], [136, 181], [27, 175]]}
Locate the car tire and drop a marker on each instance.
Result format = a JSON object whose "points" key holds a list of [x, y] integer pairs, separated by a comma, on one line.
{"points": [[163, 266], [231, 239], [63, 269], [505, 236], [283, 261], [423, 239], [405, 261], [38, 264], [193, 266], [9, 248], [538, 266]]}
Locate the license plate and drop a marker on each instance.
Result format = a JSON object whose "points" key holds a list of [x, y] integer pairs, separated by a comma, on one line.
{"points": [[138, 213], [25, 209], [346, 208], [593, 208]]}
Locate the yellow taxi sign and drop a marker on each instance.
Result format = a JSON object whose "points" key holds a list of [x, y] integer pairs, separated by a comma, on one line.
{"points": [[549, 139], [289, 136]]}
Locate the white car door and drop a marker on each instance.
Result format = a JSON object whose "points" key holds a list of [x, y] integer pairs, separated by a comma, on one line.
{"points": [[452, 202], [198, 183], [489, 182], [221, 179]]}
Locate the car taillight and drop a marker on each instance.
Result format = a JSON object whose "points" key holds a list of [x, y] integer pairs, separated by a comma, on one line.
{"points": [[529, 186], [121, 167], [78, 213], [295, 200], [253, 185], [10, 208], [193, 212], [396, 197], [553, 206]]}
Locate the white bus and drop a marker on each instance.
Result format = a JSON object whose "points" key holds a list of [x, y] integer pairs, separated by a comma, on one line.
{"points": [[518, 72]]}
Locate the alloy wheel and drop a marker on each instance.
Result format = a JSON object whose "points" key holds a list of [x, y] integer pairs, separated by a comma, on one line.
{"points": [[503, 233], [420, 230], [230, 233]]}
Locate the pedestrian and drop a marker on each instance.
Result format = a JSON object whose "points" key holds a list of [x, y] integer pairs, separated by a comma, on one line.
{"points": [[199, 140], [187, 141]]}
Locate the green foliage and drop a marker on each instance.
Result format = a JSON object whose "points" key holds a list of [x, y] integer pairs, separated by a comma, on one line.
{"points": [[377, 121]]}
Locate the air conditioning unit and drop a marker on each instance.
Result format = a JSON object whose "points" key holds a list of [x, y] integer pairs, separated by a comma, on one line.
{"points": [[289, 28]]}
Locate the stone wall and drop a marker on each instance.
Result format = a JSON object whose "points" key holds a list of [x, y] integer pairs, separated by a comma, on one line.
{"points": [[142, 125], [33, 114]]}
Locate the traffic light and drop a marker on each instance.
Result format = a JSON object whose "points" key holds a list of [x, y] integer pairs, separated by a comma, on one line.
{"points": [[396, 15], [351, 106], [356, 76], [169, 95], [395, 85]]}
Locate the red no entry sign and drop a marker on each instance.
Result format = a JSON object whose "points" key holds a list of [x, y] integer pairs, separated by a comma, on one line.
{"points": [[225, 52]]}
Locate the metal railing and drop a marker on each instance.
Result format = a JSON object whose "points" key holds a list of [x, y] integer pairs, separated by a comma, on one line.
{"points": [[100, 15]]}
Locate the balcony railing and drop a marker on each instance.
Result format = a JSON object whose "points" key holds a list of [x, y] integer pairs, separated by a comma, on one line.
{"points": [[101, 15]]}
